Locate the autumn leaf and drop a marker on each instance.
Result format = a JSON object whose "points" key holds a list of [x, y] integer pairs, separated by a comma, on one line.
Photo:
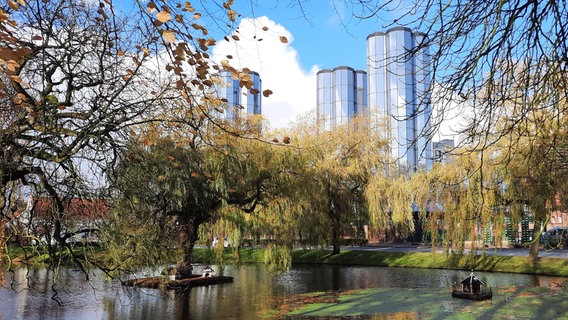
{"points": [[151, 7], [163, 16], [264, 28], [197, 16], [169, 36], [283, 39], [231, 15], [13, 5], [267, 92]]}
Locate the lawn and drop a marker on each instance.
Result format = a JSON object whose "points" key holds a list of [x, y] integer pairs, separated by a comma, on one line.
{"points": [[423, 303]]}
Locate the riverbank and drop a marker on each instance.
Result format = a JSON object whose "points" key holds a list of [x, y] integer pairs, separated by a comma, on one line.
{"points": [[399, 257], [432, 260]]}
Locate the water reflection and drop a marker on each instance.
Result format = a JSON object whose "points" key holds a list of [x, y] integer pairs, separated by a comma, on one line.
{"points": [[255, 290]]}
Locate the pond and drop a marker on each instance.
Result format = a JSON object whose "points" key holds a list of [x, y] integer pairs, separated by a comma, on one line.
{"points": [[30, 294]]}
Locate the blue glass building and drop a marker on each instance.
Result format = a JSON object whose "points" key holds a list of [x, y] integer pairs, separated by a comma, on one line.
{"points": [[399, 78], [341, 94], [394, 88], [240, 99]]}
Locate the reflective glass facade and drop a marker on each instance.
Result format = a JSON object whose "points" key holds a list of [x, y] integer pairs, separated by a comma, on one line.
{"points": [[239, 99], [253, 101], [398, 82], [341, 93]]}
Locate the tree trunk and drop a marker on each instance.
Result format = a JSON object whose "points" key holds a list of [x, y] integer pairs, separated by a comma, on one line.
{"points": [[540, 214], [187, 236], [336, 232]]}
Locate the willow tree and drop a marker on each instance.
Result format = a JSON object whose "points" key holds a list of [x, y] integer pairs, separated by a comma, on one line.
{"points": [[166, 191], [398, 204], [534, 167], [336, 167], [167, 187]]}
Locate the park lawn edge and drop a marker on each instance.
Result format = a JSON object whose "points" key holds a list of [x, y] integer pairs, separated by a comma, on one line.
{"points": [[430, 260]]}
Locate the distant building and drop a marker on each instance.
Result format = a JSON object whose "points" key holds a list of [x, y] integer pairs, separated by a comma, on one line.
{"points": [[399, 79], [341, 94], [395, 87], [442, 149], [239, 98], [79, 219]]}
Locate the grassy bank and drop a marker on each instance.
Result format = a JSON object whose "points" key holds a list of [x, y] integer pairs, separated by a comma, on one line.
{"points": [[427, 303], [545, 266]]}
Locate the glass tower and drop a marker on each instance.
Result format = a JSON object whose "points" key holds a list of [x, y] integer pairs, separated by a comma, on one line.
{"points": [[398, 82], [341, 94], [252, 100], [240, 98]]}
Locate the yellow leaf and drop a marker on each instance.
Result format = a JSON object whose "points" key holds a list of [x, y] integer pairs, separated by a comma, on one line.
{"points": [[187, 7], [231, 15], [283, 39], [13, 5], [163, 16], [12, 65], [169, 36], [22, 2]]}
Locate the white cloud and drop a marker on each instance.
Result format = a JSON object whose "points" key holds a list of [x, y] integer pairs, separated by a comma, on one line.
{"points": [[277, 63], [450, 112]]}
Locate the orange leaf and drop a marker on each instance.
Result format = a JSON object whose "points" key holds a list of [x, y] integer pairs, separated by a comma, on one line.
{"points": [[13, 5], [163, 16], [283, 39], [169, 36], [231, 15]]}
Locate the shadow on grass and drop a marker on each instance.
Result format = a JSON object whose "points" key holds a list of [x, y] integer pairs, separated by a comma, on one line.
{"points": [[423, 303]]}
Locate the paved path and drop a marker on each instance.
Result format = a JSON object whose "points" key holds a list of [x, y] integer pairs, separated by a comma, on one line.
{"points": [[556, 253]]}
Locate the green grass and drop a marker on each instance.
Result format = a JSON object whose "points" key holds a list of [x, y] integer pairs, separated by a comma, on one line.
{"points": [[545, 266], [427, 303]]}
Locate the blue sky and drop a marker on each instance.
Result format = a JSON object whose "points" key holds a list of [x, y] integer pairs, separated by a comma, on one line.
{"points": [[323, 36]]}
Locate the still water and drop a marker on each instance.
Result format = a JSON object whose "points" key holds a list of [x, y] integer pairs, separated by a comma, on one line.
{"points": [[30, 295]]}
